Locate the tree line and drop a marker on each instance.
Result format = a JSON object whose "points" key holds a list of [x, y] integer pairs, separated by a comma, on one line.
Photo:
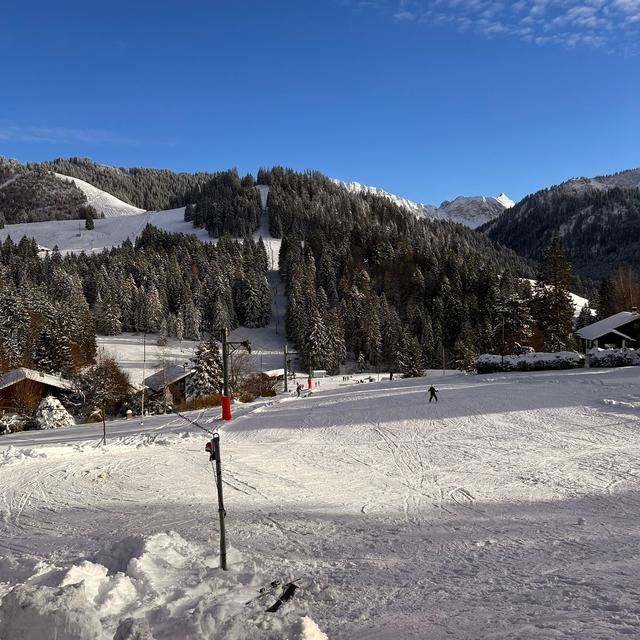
{"points": [[51, 307], [369, 280]]}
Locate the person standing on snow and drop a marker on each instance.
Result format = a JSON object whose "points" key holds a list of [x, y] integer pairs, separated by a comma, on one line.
{"points": [[433, 393], [298, 389]]}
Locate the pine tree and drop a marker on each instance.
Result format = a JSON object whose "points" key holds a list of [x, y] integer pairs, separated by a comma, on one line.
{"points": [[410, 357], [585, 317], [153, 310], [552, 306], [464, 350], [207, 366]]}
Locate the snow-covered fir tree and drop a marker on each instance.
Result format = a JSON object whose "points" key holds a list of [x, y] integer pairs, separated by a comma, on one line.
{"points": [[207, 370]]}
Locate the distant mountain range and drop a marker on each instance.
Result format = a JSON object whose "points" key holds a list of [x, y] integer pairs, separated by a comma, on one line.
{"points": [[471, 211], [597, 220]]}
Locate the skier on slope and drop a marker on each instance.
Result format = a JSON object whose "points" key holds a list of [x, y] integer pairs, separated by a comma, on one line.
{"points": [[298, 389], [433, 393]]}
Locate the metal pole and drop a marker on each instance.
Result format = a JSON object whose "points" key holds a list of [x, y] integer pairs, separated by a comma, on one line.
{"points": [[286, 373], [309, 382], [502, 350], [104, 426], [215, 452], [144, 371]]}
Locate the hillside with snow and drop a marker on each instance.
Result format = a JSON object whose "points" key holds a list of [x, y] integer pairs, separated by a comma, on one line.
{"points": [[471, 211], [104, 203], [507, 510]]}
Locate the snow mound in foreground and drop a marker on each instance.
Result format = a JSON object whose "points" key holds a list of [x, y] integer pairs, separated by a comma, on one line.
{"points": [[15, 454], [161, 586], [32, 612], [104, 203]]}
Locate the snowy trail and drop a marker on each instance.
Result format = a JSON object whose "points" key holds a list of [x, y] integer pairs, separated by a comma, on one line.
{"points": [[507, 510]]}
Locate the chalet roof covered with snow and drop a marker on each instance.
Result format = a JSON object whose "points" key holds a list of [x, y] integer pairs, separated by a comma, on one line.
{"points": [[18, 375], [167, 376], [608, 325]]}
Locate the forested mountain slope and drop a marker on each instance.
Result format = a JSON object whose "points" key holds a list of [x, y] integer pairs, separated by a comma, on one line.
{"points": [[33, 194], [597, 219], [172, 284], [149, 189], [365, 276]]}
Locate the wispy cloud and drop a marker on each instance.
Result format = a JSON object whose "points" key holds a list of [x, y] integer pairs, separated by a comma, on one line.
{"points": [[610, 24], [60, 135]]}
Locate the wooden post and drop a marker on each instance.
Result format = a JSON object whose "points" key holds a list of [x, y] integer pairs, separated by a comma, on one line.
{"points": [[104, 426], [286, 383]]}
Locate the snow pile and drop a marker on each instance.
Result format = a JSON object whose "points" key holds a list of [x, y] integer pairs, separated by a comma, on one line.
{"points": [[489, 363], [35, 612], [621, 403], [613, 357], [14, 454], [161, 586], [309, 630], [52, 415], [104, 203]]}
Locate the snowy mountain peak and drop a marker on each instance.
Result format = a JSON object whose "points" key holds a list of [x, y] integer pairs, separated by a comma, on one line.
{"points": [[470, 211]]}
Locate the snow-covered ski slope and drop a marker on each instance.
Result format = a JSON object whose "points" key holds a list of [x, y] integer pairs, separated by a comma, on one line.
{"points": [[471, 211], [507, 510], [104, 203], [70, 235], [115, 228]]}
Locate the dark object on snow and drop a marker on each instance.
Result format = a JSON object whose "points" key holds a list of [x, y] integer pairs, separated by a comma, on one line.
{"points": [[433, 393], [265, 590], [287, 593], [131, 629]]}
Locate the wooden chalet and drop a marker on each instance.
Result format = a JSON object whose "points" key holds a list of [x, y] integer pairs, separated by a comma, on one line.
{"points": [[26, 387], [615, 332], [173, 378]]}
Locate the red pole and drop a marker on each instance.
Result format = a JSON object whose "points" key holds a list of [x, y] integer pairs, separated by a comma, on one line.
{"points": [[226, 397], [226, 408]]}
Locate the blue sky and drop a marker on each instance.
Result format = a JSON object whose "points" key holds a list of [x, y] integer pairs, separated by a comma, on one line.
{"points": [[428, 99]]}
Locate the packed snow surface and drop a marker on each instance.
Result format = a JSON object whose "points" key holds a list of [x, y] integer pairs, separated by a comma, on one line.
{"points": [[507, 510], [71, 236], [472, 211], [104, 203]]}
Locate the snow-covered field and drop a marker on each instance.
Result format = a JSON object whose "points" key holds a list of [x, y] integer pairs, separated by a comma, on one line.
{"points": [[507, 510], [70, 235]]}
